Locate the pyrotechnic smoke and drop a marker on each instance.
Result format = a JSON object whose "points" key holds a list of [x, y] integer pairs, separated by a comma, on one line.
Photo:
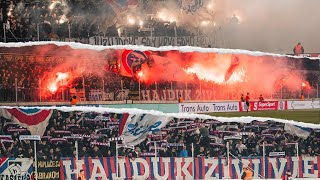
{"points": [[264, 74], [264, 25], [258, 73]]}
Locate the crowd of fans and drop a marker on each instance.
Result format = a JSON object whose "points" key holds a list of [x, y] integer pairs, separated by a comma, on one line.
{"points": [[97, 133], [21, 78], [25, 73], [55, 19]]}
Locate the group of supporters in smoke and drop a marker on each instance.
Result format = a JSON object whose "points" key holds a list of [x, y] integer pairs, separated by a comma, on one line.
{"points": [[24, 19], [27, 75], [97, 135]]}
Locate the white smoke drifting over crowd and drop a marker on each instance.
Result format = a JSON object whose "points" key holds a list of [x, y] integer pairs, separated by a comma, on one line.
{"points": [[265, 25]]}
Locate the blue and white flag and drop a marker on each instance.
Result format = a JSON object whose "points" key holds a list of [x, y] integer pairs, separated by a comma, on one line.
{"points": [[299, 131], [138, 126]]}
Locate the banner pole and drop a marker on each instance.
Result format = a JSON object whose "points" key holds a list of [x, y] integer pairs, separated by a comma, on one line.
{"points": [[4, 33], [201, 91], [228, 154], [116, 159], [103, 85], [84, 89], [176, 35], [297, 149], [77, 151], [317, 90], [69, 29], [16, 85], [40, 94], [122, 97], [281, 91], [35, 159], [264, 159], [62, 94], [186, 87], [192, 154], [155, 150], [139, 90], [38, 31]]}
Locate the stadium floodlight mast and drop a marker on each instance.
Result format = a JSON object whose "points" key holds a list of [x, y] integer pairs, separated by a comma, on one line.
{"points": [[33, 138]]}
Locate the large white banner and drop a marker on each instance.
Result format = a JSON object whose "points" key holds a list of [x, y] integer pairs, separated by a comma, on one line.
{"points": [[138, 126], [315, 104], [209, 107], [100, 95], [153, 41]]}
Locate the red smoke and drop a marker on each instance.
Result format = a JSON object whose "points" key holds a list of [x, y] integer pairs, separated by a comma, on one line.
{"points": [[259, 74], [253, 73]]}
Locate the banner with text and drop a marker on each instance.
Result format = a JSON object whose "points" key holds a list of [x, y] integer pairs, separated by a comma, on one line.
{"points": [[198, 41], [16, 168], [314, 104], [100, 95], [264, 106], [49, 169], [209, 107], [183, 168]]}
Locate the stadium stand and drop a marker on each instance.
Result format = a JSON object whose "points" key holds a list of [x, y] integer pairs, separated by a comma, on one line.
{"points": [[54, 21], [20, 79], [97, 134]]}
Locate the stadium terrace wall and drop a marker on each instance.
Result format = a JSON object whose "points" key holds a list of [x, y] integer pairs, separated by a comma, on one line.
{"points": [[186, 168], [188, 107]]}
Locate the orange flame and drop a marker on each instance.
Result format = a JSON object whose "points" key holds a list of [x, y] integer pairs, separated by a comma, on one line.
{"points": [[52, 87], [209, 74], [54, 84]]}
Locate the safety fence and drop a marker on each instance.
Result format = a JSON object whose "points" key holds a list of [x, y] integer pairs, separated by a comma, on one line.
{"points": [[16, 91]]}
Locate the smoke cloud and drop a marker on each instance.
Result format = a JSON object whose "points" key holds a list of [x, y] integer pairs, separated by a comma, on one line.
{"points": [[261, 74], [265, 25]]}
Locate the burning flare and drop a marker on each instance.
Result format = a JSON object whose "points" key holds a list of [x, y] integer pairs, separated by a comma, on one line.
{"points": [[60, 80]]}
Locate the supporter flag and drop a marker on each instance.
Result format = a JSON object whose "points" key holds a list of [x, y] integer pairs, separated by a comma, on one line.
{"points": [[136, 127], [297, 130], [35, 120], [234, 64], [122, 122], [131, 61], [121, 6]]}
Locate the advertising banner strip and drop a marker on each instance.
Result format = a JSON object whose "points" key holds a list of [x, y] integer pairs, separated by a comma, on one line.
{"points": [[264, 106], [209, 107], [314, 104], [183, 168]]}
